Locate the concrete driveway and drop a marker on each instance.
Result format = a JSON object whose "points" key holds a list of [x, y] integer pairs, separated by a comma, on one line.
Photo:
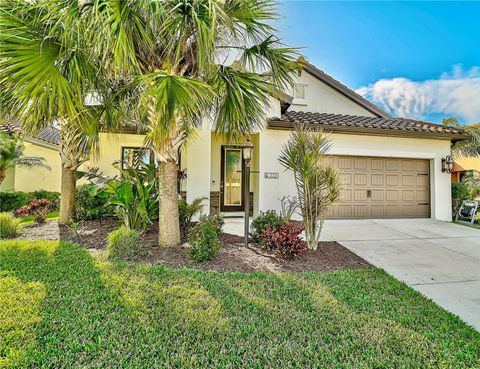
{"points": [[439, 259]]}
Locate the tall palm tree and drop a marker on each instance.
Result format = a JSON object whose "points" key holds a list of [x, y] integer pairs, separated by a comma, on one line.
{"points": [[469, 147], [45, 76], [177, 62], [12, 154]]}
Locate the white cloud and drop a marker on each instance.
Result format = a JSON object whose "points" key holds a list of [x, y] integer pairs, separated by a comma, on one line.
{"points": [[456, 93]]}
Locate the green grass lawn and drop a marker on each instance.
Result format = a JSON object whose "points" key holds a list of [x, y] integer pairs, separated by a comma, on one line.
{"points": [[30, 219], [61, 308]]}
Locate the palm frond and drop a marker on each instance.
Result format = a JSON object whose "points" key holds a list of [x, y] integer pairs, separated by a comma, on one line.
{"points": [[240, 101]]}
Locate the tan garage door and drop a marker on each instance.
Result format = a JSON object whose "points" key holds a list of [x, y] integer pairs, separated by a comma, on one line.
{"points": [[382, 188]]}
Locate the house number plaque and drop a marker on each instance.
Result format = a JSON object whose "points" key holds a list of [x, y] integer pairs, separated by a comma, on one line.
{"points": [[271, 175]]}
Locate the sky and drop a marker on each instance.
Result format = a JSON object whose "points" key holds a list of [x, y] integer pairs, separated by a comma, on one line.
{"points": [[418, 60]]}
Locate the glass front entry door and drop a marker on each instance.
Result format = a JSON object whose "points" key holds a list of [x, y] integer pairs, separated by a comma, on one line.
{"points": [[232, 179]]}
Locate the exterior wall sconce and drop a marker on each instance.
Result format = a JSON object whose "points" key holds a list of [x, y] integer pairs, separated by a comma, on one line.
{"points": [[247, 156], [447, 164]]}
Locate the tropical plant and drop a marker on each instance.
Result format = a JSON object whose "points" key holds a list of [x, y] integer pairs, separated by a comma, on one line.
{"points": [[38, 208], [470, 147], [12, 154], [92, 203], [205, 238], [317, 182], [46, 76], [187, 211], [288, 206], [134, 195], [10, 227], [169, 72]]}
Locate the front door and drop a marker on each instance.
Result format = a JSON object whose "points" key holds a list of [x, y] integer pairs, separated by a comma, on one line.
{"points": [[232, 182]]}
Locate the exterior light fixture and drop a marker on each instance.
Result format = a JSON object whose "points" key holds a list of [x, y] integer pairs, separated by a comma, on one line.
{"points": [[447, 164], [247, 151], [247, 156]]}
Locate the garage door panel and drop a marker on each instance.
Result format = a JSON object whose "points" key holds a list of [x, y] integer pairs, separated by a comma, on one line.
{"points": [[382, 187], [408, 180], [360, 211], [360, 195], [392, 180], [360, 179], [377, 179]]}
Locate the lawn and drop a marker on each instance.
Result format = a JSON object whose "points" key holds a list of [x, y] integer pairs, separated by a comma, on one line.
{"points": [[62, 308], [30, 219]]}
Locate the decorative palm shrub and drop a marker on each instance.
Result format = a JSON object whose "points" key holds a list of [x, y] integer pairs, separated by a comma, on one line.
{"points": [[289, 205], [124, 243], [317, 182], [187, 211], [205, 238], [10, 227]]}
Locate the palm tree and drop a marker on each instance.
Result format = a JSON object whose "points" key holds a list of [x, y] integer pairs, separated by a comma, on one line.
{"points": [[173, 63], [45, 76], [12, 154], [470, 147], [318, 182]]}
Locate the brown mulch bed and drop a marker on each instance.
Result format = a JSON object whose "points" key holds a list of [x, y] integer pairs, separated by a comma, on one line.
{"points": [[232, 257]]}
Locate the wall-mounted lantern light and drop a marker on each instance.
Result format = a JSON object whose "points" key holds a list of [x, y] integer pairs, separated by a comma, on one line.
{"points": [[447, 164]]}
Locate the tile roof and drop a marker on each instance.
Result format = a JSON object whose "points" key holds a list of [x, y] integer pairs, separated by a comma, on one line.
{"points": [[48, 134], [367, 125]]}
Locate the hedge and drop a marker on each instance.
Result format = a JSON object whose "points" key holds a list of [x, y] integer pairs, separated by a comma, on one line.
{"points": [[16, 199]]}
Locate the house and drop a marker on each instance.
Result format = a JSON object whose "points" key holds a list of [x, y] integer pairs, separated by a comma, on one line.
{"points": [[390, 167], [465, 165]]}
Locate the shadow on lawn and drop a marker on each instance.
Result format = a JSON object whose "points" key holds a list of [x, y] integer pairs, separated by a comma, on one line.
{"points": [[100, 314]]}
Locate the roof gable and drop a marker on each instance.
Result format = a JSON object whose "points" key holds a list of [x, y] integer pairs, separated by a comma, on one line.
{"points": [[343, 91]]}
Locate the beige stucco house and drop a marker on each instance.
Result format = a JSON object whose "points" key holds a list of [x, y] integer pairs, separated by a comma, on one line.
{"points": [[390, 167]]}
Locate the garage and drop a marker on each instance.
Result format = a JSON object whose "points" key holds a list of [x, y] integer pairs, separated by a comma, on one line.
{"points": [[382, 188]]}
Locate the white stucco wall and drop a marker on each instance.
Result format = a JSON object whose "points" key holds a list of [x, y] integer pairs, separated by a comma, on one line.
{"points": [[270, 144], [321, 98], [198, 166]]}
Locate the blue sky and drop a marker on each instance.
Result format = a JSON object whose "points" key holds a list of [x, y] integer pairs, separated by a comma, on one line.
{"points": [[417, 59]]}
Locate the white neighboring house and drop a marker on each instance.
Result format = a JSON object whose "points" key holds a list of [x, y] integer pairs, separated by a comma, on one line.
{"points": [[390, 167]]}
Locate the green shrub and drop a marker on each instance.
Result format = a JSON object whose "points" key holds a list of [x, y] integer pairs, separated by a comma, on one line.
{"points": [[124, 243], [12, 200], [268, 219], [460, 192], [92, 203], [10, 227], [205, 238], [53, 197]]}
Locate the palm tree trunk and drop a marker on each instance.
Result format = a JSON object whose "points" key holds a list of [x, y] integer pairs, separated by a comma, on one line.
{"points": [[168, 222], [67, 198], [2, 175]]}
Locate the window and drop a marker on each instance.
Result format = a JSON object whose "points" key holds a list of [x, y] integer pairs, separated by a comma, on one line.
{"points": [[299, 92], [134, 156]]}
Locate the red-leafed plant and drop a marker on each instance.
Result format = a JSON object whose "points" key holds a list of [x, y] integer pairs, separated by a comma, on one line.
{"points": [[38, 208], [284, 239]]}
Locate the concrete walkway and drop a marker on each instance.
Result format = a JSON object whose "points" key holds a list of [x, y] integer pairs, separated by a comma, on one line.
{"points": [[439, 259]]}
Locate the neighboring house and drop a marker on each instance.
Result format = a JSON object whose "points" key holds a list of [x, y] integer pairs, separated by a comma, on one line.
{"points": [[390, 167], [463, 166]]}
